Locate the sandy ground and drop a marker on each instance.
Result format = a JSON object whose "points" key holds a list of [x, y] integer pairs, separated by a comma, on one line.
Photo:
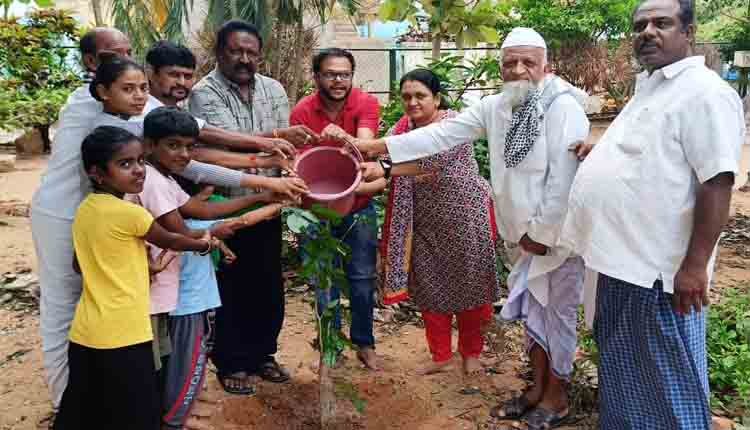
{"points": [[395, 397]]}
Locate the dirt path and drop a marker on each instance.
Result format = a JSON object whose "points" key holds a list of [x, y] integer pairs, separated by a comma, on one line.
{"points": [[395, 397]]}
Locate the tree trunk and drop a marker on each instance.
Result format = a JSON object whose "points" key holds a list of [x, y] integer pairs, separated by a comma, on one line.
{"points": [[234, 9], [46, 142], [436, 41], [299, 39], [96, 5], [327, 397]]}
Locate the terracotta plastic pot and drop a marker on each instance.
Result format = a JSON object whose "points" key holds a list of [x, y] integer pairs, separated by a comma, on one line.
{"points": [[332, 177]]}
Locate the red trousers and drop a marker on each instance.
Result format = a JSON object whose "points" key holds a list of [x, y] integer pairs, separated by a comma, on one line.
{"points": [[470, 341]]}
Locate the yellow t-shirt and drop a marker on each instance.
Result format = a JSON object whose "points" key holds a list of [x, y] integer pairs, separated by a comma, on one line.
{"points": [[114, 308]]}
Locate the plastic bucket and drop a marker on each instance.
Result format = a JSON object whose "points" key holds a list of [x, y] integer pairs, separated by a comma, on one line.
{"points": [[331, 175]]}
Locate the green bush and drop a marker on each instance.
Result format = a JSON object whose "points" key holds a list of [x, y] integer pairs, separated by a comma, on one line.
{"points": [[37, 72], [728, 338]]}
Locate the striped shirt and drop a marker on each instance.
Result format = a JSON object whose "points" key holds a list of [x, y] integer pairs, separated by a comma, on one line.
{"points": [[218, 100]]}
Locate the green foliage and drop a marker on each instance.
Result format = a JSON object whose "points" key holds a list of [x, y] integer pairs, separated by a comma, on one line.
{"points": [[322, 267], [725, 21], [468, 22], [146, 22], [565, 21], [728, 339], [37, 74], [6, 4]]}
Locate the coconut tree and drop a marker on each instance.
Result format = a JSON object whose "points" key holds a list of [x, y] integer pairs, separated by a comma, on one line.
{"points": [[146, 21]]}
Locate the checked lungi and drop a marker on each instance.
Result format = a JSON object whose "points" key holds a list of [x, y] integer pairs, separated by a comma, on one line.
{"points": [[653, 371]]}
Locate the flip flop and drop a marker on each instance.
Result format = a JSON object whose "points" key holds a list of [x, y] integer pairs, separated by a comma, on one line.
{"points": [[237, 387], [512, 409], [273, 372], [543, 419]]}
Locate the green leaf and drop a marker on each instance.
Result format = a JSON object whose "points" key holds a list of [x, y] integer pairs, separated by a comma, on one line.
{"points": [[489, 34], [325, 213], [297, 223]]}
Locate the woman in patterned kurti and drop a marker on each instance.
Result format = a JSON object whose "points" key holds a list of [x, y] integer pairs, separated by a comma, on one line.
{"points": [[439, 235]]}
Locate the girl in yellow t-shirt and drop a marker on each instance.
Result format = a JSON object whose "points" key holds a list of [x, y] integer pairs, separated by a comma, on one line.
{"points": [[112, 383]]}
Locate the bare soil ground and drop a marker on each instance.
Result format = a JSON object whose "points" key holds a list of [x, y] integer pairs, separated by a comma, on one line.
{"points": [[395, 398]]}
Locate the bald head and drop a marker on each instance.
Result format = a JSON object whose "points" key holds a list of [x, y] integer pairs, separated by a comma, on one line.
{"points": [[103, 40]]}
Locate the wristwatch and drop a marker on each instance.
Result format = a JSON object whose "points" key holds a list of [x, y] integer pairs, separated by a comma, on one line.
{"points": [[387, 165]]}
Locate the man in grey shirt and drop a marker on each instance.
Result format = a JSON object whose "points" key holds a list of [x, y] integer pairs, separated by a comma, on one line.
{"points": [[235, 97]]}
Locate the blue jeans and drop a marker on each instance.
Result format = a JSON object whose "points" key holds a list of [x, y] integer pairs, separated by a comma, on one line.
{"points": [[361, 237]]}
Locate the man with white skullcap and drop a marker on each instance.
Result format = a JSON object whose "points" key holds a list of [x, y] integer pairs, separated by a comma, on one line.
{"points": [[531, 128]]}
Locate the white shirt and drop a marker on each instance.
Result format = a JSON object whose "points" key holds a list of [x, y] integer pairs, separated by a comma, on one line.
{"points": [[61, 190], [631, 206], [64, 184], [531, 198]]}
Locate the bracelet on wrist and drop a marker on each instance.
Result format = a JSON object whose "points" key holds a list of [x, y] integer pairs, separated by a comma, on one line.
{"points": [[208, 248]]}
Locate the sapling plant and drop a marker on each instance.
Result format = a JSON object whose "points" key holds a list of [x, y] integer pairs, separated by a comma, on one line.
{"points": [[323, 267]]}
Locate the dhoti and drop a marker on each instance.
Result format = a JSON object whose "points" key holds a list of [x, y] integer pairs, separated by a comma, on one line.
{"points": [[552, 327], [653, 370]]}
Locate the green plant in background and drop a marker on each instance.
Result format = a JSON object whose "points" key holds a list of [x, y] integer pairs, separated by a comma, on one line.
{"points": [[726, 21], [6, 4], [562, 22], [728, 342], [468, 22], [37, 73]]}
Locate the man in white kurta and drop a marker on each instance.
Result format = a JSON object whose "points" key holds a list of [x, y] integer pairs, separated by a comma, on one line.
{"points": [[531, 128], [646, 210]]}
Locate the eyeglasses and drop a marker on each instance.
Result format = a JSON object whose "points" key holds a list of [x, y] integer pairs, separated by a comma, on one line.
{"points": [[330, 76]]}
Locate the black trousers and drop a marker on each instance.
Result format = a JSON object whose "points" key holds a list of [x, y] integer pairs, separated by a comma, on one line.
{"points": [[110, 389], [249, 320]]}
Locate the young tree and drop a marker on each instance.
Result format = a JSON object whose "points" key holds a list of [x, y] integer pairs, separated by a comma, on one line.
{"points": [[468, 22]]}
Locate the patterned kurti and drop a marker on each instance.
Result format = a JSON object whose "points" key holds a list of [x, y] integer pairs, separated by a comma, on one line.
{"points": [[453, 262]]}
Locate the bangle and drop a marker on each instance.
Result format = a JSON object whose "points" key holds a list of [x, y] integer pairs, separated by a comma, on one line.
{"points": [[208, 249]]}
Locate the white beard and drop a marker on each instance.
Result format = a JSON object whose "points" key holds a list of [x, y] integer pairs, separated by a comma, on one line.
{"points": [[515, 92]]}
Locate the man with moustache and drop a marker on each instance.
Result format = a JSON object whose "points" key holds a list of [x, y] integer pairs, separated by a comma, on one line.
{"points": [[532, 127], [340, 113], [646, 210], [236, 98], [171, 75]]}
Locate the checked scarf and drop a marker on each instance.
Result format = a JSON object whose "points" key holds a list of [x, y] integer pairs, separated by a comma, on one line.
{"points": [[524, 130]]}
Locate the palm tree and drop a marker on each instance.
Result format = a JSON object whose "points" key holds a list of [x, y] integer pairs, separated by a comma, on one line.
{"points": [[147, 21]]}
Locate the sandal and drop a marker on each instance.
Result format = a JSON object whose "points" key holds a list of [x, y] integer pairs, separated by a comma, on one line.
{"points": [[512, 409], [273, 372], [543, 419], [236, 384]]}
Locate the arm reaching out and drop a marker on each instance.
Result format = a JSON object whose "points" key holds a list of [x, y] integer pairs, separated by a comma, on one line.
{"points": [[174, 241]]}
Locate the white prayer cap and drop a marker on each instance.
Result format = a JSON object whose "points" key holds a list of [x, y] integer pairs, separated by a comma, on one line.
{"points": [[522, 36]]}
